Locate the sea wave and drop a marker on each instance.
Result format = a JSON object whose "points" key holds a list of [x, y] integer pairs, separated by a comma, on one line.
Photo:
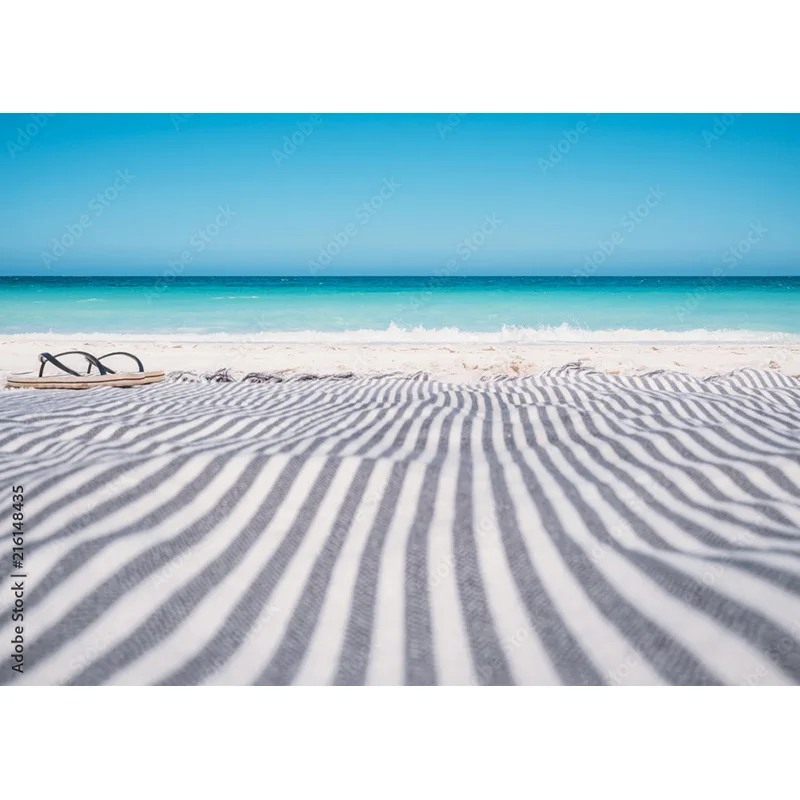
{"points": [[394, 334]]}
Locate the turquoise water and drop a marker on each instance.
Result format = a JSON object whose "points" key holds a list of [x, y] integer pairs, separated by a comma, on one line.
{"points": [[407, 309]]}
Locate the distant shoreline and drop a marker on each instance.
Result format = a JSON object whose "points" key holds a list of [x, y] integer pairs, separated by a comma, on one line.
{"points": [[397, 336]]}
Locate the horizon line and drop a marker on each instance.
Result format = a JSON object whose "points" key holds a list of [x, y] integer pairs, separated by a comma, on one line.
{"points": [[173, 278]]}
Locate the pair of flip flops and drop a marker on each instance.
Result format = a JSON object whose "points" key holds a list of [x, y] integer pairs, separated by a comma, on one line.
{"points": [[72, 379]]}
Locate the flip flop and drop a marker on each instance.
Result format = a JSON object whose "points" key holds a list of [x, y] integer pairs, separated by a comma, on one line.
{"points": [[74, 380]]}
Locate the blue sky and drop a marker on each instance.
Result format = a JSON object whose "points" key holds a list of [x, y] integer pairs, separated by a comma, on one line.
{"points": [[399, 194]]}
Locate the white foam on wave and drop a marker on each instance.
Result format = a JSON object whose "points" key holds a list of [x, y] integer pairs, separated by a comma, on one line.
{"points": [[394, 334]]}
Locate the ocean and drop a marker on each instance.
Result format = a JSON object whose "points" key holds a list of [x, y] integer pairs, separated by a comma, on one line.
{"points": [[418, 309]]}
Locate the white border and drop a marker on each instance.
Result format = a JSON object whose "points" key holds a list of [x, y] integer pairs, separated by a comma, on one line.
{"points": [[419, 55], [405, 743]]}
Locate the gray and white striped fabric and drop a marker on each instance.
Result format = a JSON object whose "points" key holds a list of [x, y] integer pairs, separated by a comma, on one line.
{"points": [[573, 527]]}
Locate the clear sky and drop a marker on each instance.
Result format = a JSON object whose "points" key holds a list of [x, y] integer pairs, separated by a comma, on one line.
{"points": [[501, 194]]}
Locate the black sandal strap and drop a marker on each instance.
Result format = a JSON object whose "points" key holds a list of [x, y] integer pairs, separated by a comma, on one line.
{"points": [[119, 353], [45, 358]]}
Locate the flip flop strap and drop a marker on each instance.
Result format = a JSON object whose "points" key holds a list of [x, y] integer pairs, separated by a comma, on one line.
{"points": [[119, 353], [45, 358]]}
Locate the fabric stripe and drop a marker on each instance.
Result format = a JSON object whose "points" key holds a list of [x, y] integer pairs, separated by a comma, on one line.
{"points": [[570, 527]]}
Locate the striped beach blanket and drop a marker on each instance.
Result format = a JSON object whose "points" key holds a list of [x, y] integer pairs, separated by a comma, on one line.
{"points": [[568, 528]]}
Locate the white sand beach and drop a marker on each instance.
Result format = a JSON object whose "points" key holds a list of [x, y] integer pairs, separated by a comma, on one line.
{"points": [[462, 362]]}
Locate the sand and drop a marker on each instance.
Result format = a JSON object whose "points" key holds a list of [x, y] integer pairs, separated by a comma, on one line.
{"points": [[458, 362]]}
